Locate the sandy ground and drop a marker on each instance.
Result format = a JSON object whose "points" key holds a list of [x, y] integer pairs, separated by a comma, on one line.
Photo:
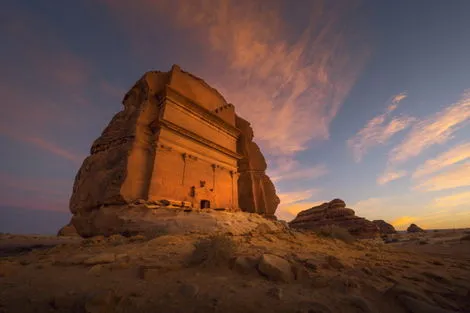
{"points": [[427, 272]]}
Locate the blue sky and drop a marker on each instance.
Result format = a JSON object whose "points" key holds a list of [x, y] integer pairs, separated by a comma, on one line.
{"points": [[367, 101]]}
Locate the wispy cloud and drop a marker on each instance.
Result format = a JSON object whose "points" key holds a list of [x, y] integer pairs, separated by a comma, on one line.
{"points": [[436, 129], [294, 202], [379, 130], [453, 156], [397, 99], [454, 177], [297, 172], [296, 196], [295, 85], [390, 175], [455, 200]]}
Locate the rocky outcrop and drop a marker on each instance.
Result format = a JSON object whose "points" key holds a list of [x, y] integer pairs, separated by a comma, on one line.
{"points": [[140, 220], [335, 213], [124, 165], [384, 227], [413, 228], [256, 192]]}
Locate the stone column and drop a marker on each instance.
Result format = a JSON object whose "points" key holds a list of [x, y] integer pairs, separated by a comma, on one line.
{"points": [[184, 167]]}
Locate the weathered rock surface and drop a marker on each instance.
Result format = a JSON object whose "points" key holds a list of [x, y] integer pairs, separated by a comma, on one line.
{"points": [[68, 230], [123, 166], [256, 192], [114, 173], [384, 227], [413, 228], [139, 220], [102, 258], [335, 213]]}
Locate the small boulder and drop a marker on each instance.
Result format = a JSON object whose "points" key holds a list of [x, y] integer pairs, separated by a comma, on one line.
{"points": [[189, 290], [275, 268], [334, 262], [275, 292], [245, 264]]}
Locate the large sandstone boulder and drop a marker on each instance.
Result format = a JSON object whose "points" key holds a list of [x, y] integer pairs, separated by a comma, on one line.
{"points": [[256, 192], [384, 227], [335, 213], [276, 268], [413, 228]]}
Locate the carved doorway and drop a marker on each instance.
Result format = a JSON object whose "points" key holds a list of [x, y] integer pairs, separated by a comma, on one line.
{"points": [[205, 204]]}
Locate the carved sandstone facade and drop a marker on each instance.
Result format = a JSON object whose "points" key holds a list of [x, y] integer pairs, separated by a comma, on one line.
{"points": [[177, 138]]}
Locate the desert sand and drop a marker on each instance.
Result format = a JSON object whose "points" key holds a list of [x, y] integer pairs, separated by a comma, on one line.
{"points": [[261, 271]]}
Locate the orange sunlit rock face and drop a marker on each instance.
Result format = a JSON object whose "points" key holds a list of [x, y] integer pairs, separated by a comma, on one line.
{"points": [[176, 139]]}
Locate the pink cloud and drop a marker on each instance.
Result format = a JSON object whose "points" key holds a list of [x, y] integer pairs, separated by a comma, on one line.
{"points": [[390, 175], [289, 89], [296, 196], [42, 144], [34, 193], [45, 186]]}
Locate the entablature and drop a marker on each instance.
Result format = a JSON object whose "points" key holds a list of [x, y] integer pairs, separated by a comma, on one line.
{"points": [[193, 107]]}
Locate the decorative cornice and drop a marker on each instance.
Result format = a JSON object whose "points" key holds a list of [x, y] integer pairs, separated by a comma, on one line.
{"points": [[196, 108], [195, 137]]}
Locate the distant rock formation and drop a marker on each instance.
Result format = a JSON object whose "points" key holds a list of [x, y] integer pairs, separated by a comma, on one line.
{"points": [[335, 213], [413, 228], [384, 227]]}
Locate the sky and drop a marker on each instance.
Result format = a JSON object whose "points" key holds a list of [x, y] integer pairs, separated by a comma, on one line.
{"points": [[367, 101]]}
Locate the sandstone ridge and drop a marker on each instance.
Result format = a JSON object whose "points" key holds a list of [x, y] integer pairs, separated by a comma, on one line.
{"points": [[336, 213]]}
